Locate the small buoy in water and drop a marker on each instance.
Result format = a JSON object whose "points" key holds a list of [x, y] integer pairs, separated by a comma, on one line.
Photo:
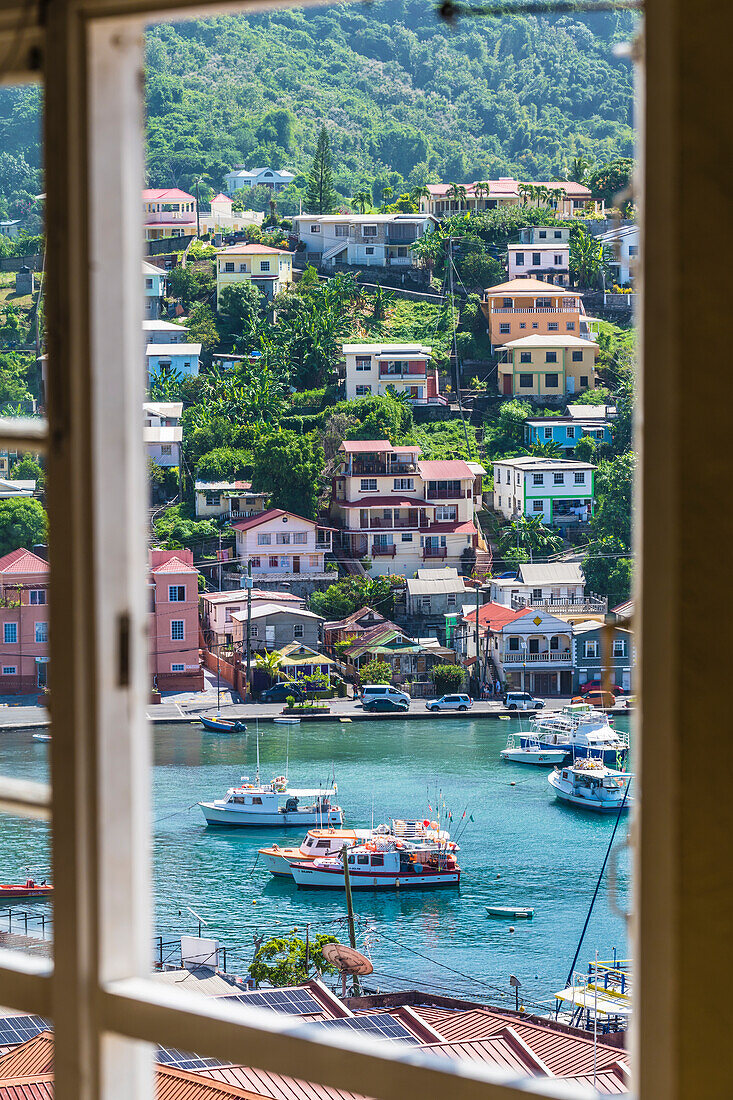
{"points": [[512, 784], [344, 719], [498, 876], [511, 928], [254, 902]]}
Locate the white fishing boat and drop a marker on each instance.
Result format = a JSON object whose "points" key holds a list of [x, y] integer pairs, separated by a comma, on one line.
{"points": [[592, 786], [273, 805], [518, 912], [583, 732], [384, 864], [318, 843], [287, 721], [528, 750]]}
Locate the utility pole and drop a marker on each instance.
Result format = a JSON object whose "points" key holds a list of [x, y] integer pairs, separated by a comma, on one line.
{"points": [[248, 586], [350, 912], [478, 650], [307, 949], [198, 208]]}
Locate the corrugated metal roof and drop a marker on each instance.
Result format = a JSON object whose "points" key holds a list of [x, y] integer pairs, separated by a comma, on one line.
{"points": [[174, 565], [200, 980], [276, 1086], [179, 1084], [448, 468], [22, 561], [562, 572], [33, 1088], [33, 1058], [497, 1051], [424, 585]]}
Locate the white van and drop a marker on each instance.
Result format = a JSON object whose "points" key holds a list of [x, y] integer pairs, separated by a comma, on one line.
{"points": [[385, 691]]}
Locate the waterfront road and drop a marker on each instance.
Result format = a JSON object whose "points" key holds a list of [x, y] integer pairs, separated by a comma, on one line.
{"points": [[187, 708]]}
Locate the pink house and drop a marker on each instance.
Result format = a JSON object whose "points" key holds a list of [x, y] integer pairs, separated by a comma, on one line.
{"points": [[23, 623], [174, 622]]}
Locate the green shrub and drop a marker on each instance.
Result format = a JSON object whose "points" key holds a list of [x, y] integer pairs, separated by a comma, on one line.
{"points": [[376, 672], [447, 678]]}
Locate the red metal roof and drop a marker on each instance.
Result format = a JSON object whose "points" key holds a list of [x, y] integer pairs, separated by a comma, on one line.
{"points": [[366, 446], [461, 528], [276, 1086], [251, 250], [28, 1088], [166, 194], [388, 502], [174, 565], [22, 561], [448, 469], [33, 1058], [495, 615], [264, 517]]}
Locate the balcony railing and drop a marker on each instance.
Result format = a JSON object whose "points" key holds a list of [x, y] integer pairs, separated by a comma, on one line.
{"points": [[542, 309], [379, 522], [383, 551], [380, 469], [544, 657], [434, 552], [447, 494], [389, 372], [585, 603]]}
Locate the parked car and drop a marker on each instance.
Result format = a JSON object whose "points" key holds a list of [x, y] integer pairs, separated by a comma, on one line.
{"points": [[384, 702], [450, 702], [602, 699], [595, 685], [384, 691], [280, 692], [521, 700]]}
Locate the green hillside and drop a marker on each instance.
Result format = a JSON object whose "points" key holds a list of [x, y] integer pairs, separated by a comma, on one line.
{"points": [[406, 98]]}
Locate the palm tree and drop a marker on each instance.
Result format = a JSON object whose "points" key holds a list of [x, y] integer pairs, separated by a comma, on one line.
{"points": [[165, 384], [387, 193], [529, 533], [549, 449], [269, 663], [362, 200], [527, 192], [590, 259], [419, 192], [457, 193], [401, 396], [483, 187], [580, 169], [429, 248], [381, 300]]}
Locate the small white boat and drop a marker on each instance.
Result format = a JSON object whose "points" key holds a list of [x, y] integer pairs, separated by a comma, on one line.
{"points": [[583, 732], [590, 785], [319, 843], [521, 912], [384, 864], [527, 750], [273, 805], [41, 736], [287, 721]]}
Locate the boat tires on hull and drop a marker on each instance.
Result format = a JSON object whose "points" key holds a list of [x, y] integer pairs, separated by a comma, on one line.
{"points": [[308, 878], [594, 807]]}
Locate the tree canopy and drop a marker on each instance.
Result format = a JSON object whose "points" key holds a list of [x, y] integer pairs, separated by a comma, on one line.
{"points": [[23, 523]]}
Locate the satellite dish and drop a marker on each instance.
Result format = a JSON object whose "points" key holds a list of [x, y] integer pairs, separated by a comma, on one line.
{"points": [[347, 959]]}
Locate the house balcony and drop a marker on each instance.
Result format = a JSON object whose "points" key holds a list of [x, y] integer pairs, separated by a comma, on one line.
{"points": [[590, 604], [524, 309], [414, 524], [544, 657], [407, 372], [380, 550], [434, 552], [324, 546], [379, 469], [448, 494]]}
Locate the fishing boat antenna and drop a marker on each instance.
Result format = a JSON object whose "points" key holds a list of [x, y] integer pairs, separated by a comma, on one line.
{"points": [[287, 756], [595, 1021], [258, 754]]}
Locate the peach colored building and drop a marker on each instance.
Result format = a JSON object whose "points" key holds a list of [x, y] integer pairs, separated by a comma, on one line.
{"points": [[23, 622], [174, 622], [531, 307]]}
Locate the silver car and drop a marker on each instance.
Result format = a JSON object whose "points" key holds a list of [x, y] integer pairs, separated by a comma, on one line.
{"points": [[450, 702]]}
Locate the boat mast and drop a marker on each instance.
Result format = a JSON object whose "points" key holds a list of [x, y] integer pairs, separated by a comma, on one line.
{"points": [[258, 751]]}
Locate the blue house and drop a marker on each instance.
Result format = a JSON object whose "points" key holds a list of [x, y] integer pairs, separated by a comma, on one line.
{"points": [[588, 657], [592, 420], [181, 358]]}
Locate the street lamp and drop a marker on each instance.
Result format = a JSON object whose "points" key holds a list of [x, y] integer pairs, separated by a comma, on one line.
{"points": [[198, 207], [523, 647]]}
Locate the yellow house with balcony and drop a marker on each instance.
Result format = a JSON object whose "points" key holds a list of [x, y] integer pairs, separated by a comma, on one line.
{"points": [[270, 269]]}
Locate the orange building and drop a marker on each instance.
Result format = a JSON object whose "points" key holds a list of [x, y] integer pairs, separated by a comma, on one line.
{"points": [[531, 307]]}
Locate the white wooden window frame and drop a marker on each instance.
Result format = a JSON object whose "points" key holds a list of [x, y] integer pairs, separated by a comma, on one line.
{"points": [[105, 1010]]}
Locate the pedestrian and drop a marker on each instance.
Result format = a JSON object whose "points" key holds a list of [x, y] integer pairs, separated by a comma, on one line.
{"points": [[498, 688]]}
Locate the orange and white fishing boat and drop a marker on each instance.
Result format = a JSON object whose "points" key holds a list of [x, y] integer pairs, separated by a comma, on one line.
{"points": [[326, 842]]}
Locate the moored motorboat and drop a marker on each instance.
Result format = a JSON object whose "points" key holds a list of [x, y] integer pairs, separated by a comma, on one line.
{"points": [[319, 843], [273, 805], [582, 732], [29, 889], [41, 736], [528, 750], [521, 912], [217, 724], [287, 721], [590, 785], [384, 864]]}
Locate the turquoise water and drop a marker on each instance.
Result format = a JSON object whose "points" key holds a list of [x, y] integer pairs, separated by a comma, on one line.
{"points": [[522, 848]]}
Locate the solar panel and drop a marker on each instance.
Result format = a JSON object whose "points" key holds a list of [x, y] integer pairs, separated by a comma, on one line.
{"points": [[168, 1056], [296, 1002], [380, 1025], [19, 1029]]}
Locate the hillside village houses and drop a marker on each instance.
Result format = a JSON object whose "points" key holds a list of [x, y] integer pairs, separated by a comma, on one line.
{"points": [[542, 252], [402, 512], [531, 307], [434, 592], [228, 500], [280, 546], [592, 662], [157, 331], [354, 626], [177, 357], [153, 290], [369, 240], [547, 366], [567, 198], [560, 491], [162, 432], [168, 212], [275, 625], [533, 652], [371, 368], [566, 431], [15, 489], [241, 177], [23, 622], [222, 218], [174, 624], [269, 269]]}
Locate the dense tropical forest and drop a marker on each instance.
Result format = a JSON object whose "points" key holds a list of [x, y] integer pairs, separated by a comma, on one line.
{"points": [[406, 98]]}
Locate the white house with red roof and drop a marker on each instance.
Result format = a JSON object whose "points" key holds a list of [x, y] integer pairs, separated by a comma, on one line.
{"points": [[403, 512], [270, 269], [23, 622], [222, 218], [174, 622], [532, 651], [372, 368], [280, 546], [168, 212]]}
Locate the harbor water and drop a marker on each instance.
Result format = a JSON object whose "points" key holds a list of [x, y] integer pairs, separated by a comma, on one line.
{"points": [[519, 847]]}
